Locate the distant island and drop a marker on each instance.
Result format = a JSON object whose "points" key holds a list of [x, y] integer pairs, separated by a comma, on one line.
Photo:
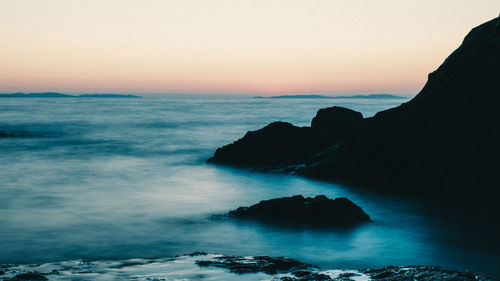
{"points": [[59, 95], [372, 96]]}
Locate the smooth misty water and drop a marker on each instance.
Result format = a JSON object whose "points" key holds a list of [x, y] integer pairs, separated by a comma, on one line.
{"points": [[127, 178]]}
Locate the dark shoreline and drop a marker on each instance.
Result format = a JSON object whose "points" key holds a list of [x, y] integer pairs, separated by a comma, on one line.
{"points": [[275, 268]]}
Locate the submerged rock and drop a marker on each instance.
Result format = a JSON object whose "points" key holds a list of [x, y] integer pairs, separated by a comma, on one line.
{"points": [[17, 134], [28, 276], [319, 211]]}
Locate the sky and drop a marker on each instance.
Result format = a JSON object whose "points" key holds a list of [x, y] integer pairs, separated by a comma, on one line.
{"points": [[264, 47]]}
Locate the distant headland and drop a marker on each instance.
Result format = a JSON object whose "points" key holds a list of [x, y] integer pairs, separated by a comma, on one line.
{"points": [[371, 96], [60, 95]]}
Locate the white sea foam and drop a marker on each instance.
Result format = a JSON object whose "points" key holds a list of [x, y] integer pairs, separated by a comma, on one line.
{"points": [[176, 268]]}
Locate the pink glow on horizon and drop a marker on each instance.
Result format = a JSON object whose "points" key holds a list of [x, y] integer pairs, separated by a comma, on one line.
{"points": [[237, 46]]}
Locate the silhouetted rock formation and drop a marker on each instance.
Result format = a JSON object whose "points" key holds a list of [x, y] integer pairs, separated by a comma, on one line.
{"points": [[281, 144], [297, 210], [336, 119], [443, 143], [276, 145]]}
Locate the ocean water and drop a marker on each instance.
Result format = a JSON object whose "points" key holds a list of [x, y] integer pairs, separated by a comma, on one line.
{"points": [[114, 179]]}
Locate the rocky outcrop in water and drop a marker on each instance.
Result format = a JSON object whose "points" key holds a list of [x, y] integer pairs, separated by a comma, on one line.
{"points": [[319, 211], [269, 265], [442, 144], [336, 119], [281, 144], [278, 144]]}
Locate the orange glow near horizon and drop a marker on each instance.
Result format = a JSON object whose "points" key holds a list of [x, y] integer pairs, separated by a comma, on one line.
{"points": [[261, 47]]}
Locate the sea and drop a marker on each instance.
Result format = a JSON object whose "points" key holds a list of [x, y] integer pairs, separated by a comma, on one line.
{"points": [[112, 179]]}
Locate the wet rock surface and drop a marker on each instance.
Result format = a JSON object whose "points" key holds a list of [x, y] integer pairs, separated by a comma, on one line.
{"points": [[269, 265], [319, 211], [298, 271], [28, 276], [422, 273]]}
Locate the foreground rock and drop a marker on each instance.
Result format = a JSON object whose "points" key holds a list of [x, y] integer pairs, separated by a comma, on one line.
{"points": [[422, 273], [443, 144], [297, 210], [269, 265], [295, 270]]}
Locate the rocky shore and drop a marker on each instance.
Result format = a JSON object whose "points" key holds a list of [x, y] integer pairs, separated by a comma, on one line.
{"points": [[298, 271], [203, 266]]}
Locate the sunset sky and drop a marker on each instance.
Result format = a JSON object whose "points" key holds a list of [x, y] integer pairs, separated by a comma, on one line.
{"points": [[234, 46]]}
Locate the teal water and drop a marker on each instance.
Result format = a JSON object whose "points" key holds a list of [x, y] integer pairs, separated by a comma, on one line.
{"points": [[127, 178]]}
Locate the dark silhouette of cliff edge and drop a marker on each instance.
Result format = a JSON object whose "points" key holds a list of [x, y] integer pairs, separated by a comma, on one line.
{"points": [[444, 143], [444, 140]]}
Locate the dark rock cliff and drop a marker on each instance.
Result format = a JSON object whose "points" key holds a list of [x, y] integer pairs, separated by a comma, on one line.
{"points": [[444, 143], [445, 139]]}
